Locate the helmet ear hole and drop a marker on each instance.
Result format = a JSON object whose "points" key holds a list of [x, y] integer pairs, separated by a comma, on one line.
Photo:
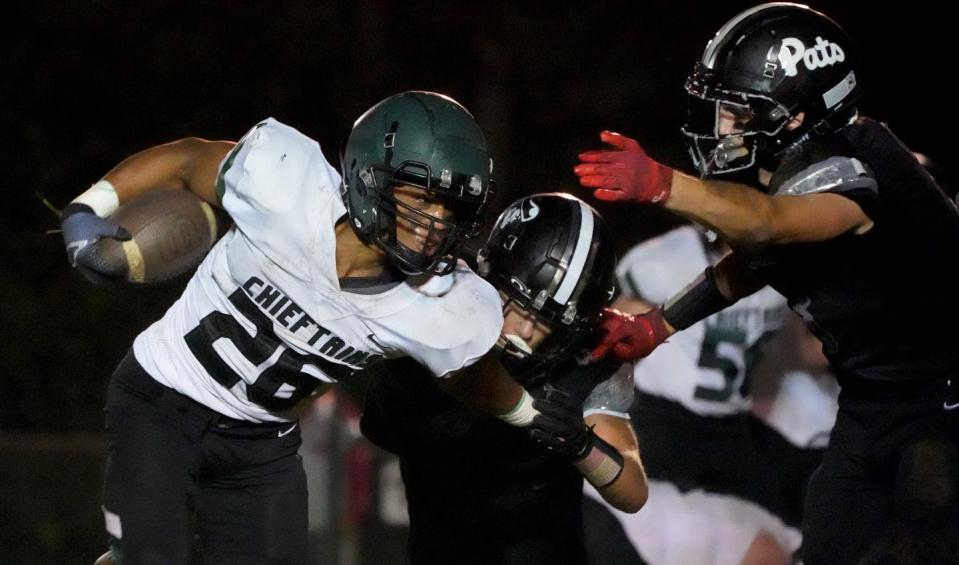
{"points": [[367, 181], [355, 191]]}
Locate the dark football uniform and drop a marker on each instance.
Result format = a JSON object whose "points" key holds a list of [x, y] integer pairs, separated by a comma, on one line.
{"points": [[854, 233], [883, 309], [479, 490]]}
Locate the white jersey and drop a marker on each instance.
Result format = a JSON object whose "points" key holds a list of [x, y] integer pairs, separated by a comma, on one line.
{"points": [[704, 367], [705, 528], [264, 321], [804, 408]]}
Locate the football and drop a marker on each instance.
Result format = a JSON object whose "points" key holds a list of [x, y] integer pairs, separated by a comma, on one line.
{"points": [[172, 232]]}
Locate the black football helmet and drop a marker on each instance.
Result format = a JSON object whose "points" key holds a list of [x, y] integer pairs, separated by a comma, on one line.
{"points": [[763, 68], [426, 140], [552, 255]]}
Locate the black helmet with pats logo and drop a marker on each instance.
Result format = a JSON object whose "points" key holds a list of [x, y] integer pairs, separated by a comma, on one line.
{"points": [[425, 140], [762, 69]]}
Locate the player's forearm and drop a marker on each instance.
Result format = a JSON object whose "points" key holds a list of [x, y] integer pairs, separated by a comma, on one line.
{"points": [[734, 279], [189, 163], [505, 396], [486, 386], [630, 490], [740, 214]]}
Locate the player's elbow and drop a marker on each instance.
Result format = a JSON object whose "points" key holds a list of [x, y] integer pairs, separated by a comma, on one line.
{"points": [[629, 496], [635, 500]]}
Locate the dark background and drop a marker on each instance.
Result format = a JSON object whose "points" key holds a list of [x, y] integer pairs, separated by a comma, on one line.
{"points": [[85, 84]]}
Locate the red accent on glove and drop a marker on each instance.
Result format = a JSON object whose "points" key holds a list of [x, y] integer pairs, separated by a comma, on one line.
{"points": [[625, 172], [631, 337]]}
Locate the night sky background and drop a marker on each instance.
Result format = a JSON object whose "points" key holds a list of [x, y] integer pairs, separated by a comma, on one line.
{"points": [[84, 85]]}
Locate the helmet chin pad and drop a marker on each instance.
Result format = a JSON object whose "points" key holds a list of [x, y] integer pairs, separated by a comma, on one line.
{"points": [[562, 344], [514, 342]]}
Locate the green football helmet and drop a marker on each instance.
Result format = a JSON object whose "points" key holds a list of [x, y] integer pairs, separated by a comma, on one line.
{"points": [[429, 141]]}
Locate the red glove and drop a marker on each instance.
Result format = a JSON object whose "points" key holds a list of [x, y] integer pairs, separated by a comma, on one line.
{"points": [[631, 337], [623, 173]]}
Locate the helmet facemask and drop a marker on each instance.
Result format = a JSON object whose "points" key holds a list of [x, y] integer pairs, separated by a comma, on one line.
{"points": [[433, 241], [725, 129], [562, 343]]}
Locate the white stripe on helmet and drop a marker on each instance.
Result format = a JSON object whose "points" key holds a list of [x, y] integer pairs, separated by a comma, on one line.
{"points": [[580, 253]]}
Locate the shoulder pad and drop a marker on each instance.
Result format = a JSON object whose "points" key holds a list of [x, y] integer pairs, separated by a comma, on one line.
{"points": [[612, 396], [458, 323], [835, 174]]}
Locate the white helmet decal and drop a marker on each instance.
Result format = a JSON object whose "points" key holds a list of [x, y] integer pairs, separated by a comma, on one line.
{"points": [[824, 54]]}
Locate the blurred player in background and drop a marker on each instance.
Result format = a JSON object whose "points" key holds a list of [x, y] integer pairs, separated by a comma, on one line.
{"points": [[713, 468], [480, 491]]}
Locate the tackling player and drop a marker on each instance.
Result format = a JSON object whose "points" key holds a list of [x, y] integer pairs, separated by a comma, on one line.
{"points": [[850, 228], [483, 492]]}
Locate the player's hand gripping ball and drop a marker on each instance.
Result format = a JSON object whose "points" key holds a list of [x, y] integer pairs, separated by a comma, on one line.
{"points": [[172, 231]]}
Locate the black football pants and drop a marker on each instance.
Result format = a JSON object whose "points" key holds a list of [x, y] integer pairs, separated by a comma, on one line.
{"points": [[170, 456], [887, 491]]}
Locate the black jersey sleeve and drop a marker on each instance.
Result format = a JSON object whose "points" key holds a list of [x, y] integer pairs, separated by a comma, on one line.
{"points": [[908, 195]]}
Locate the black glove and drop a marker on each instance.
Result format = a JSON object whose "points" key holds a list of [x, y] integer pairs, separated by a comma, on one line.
{"points": [[559, 425], [82, 229]]}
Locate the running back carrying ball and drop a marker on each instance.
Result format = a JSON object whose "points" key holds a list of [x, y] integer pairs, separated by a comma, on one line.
{"points": [[172, 231]]}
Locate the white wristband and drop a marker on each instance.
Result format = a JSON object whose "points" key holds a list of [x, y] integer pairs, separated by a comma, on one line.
{"points": [[522, 414], [599, 468], [102, 197]]}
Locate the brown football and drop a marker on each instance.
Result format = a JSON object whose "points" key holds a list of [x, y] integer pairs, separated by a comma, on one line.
{"points": [[172, 232]]}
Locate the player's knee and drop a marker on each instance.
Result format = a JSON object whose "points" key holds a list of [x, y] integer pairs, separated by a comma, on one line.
{"points": [[927, 481], [765, 550]]}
